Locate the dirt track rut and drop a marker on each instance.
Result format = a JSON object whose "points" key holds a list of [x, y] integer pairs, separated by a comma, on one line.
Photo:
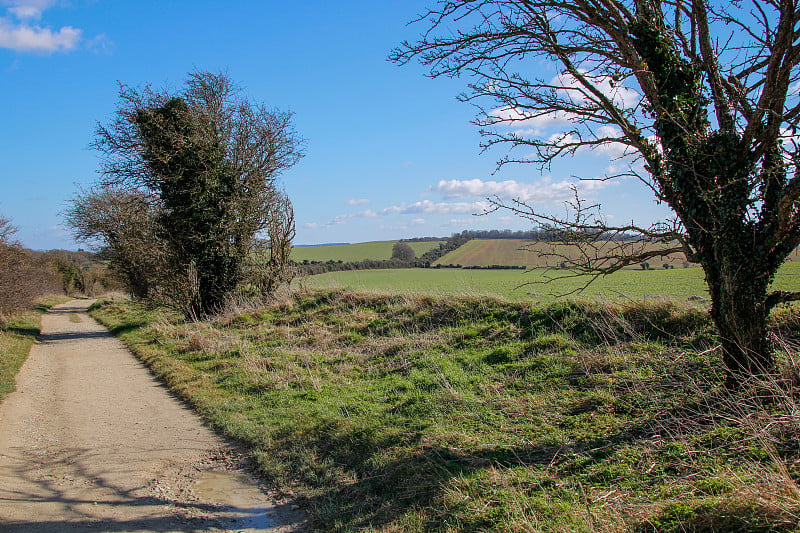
{"points": [[90, 441]]}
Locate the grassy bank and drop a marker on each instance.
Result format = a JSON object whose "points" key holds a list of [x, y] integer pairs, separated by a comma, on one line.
{"points": [[413, 413], [16, 337]]}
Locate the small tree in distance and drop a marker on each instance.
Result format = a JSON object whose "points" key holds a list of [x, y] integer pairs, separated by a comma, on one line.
{"points": [[403, 252], [698, 96]]}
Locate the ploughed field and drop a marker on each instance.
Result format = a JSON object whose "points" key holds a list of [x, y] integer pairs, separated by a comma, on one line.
{"points": [[521, 253]]}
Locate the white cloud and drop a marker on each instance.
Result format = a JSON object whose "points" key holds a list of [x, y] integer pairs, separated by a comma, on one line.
{"points": [[24, 38], [357, 201], [341, 219], [17, 33], [436, 208], [28, 9], [26, 12], [568, 85], [545, 190], [614, 150], [527, 123], [474, 191]]}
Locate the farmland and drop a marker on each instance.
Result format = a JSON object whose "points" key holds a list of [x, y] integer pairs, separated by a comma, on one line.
{"points": [[514, 285], [516, 252], [475, 253], [377, 250]]}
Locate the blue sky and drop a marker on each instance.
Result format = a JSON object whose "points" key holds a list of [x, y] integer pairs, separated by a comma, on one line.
{"points": [[389, 153]]}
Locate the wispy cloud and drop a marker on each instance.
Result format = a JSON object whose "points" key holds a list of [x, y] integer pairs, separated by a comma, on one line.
{"points": [[26, 12], [341, 219], [428, 207], [357, 201], [545, 190], [100, 44], [28, 9]]}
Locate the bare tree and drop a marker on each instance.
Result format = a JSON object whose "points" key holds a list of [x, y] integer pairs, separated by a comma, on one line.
{"points": [[123, 225], [7, 229], [698, 96], [280, 232]]}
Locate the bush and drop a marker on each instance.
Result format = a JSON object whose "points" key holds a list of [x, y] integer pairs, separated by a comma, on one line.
{"points": [[21, 278]]}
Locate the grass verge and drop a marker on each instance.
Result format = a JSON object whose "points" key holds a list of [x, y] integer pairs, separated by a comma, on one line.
{"points": [[414, 413], [16, 337]]}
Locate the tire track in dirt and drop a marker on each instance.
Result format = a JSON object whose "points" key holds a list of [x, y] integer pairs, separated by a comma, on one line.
{"points": [[90, 441]]}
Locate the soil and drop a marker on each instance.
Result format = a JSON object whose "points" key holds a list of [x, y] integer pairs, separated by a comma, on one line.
{"points": [[90, 441]]}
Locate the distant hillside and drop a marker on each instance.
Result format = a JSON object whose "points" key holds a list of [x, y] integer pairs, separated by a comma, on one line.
{"points": [[377, 250], [520, 253], [512, 252]]}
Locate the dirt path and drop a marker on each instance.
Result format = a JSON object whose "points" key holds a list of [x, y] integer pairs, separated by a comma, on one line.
{"points": [[91, 442]]}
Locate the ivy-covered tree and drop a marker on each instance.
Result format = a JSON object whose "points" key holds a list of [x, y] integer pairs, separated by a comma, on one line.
{"points": [[211, 160], [699, 97]]}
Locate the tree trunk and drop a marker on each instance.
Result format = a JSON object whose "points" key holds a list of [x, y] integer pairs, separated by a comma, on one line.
{"points": [[739, 312]]}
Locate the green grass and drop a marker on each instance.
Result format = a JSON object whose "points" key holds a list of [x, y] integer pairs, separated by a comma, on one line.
{"points": [[16, 337], [377, 250], [635, 285], [411, 413]]}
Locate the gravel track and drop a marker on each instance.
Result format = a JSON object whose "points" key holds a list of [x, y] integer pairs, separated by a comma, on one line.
{"points": [[90, 441]]}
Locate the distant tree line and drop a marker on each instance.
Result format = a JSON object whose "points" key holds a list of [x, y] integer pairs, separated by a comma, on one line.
{"points": [[402, 257], [26, 275], [312, 268], [484, 267], [538, 234]]}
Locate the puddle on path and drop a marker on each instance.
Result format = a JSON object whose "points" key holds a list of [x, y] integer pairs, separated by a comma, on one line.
{"points": [[248, 506]]}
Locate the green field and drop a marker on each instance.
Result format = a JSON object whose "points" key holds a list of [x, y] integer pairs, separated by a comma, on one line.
{"points": [[377, 250], [636, 285]]}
